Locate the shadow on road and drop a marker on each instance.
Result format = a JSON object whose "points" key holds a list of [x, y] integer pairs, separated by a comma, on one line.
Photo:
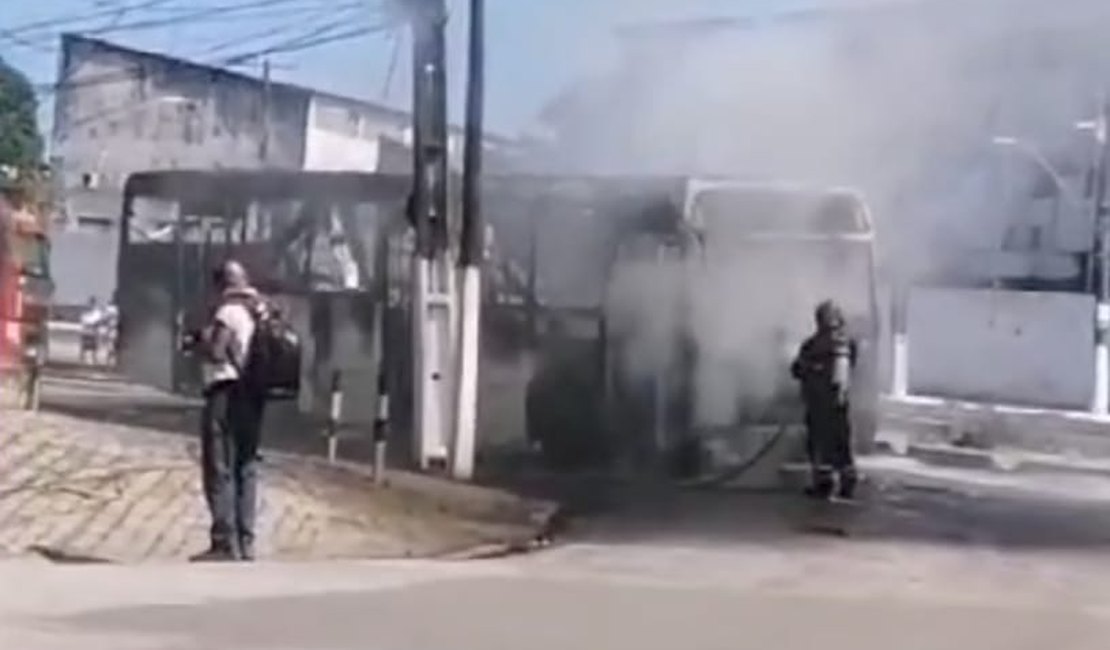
{"points": [[1038, 512], [895, 507], [100, 396]]}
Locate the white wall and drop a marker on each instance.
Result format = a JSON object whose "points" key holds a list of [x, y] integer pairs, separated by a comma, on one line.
{"points": [[328, 151], [1010, 347], [343, 135]]}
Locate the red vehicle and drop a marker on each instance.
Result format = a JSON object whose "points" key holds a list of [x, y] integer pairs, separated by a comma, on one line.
{"points": [[26, 287]]}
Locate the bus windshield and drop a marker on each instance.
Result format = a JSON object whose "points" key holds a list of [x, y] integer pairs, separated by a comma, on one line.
{"points": [[782, 251], [745, 211]]}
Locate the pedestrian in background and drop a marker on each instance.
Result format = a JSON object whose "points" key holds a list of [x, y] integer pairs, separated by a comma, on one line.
{"points": [[91, 318], [232, 416], [823, 366], [109, 334]]}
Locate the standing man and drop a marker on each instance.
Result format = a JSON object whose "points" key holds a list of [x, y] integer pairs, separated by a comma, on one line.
{"points": [[232, 416], [91, 319], [823, 367], [109, 334]]}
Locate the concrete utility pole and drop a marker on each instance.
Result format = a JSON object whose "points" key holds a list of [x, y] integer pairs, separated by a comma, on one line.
{"points": [[433, 291], [472, 254], [264, 137], [1100, 403]]}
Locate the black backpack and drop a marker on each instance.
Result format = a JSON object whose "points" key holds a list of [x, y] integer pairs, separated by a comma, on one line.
{"points": [[272, 366]]}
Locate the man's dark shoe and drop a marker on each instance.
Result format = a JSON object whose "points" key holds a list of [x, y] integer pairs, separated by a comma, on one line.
{"points": [[819, 493], [214, 554], [246, 552], [848, 483]]}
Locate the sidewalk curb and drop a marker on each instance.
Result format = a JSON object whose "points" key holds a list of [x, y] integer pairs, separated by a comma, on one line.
{"points": [[947, 456], [460, 498], [1004, 461], [540, 539]]}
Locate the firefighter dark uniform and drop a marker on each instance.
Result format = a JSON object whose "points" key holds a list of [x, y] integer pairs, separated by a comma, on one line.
{"points": [[823, 367]]}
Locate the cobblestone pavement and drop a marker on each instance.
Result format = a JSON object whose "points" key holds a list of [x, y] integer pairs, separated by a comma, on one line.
{"points": [[77, 489]]}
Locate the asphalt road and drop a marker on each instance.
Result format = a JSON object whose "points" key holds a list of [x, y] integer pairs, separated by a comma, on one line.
{"points": [[935, 559], [971, 561], [639, 598]]}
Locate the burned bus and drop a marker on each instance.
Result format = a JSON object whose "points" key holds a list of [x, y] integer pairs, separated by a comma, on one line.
{"points": [[310, 239], [703, 326], [625, 317], [701, 291]]}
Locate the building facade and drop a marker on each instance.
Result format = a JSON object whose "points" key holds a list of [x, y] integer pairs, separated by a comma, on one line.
{"points": [[120, 111]]}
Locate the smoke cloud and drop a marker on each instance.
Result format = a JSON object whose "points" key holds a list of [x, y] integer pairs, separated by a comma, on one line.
{"points": [[898, 100]]}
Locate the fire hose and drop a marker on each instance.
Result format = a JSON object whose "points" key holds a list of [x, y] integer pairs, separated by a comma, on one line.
{"points": [[737, 470]]}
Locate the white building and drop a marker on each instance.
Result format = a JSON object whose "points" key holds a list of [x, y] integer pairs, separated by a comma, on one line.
{"points": [[120, 110]]}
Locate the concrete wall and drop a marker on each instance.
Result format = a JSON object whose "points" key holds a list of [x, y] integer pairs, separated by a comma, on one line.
{"points": [[84, 264], [346, 135], [119, 111], [1011, 347], [326, 151]]}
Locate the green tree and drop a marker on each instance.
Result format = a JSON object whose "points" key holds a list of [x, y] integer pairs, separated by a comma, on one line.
{"points": [[20, 141]]}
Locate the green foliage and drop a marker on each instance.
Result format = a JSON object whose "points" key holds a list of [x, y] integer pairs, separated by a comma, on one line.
{"points": [[20, 143]]}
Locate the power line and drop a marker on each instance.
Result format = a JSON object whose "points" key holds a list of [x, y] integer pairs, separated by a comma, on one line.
{"points": [[394, 57], [176, 16], [278, 30], [284, 28], [321, 35], [220, 12], [316, 38], [294, 45], [24, 42], [61, 21]]}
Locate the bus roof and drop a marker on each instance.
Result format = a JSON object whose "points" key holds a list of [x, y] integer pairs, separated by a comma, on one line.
{"points": [[777, 208], [191, 185]]}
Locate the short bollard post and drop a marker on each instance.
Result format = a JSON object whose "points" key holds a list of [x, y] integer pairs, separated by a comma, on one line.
{"points": [[900, 370], [1100, 400], [33, 389], [381, 431], [335, 415]]}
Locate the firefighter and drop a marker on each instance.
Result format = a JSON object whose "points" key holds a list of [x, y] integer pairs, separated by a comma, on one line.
{"points": [[823, 368]]}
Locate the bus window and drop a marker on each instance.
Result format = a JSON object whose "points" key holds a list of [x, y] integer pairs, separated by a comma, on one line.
{"points": [[742, 211], [33, 253]]}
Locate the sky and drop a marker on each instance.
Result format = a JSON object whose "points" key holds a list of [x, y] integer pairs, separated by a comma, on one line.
{"points": [[534, 47]]}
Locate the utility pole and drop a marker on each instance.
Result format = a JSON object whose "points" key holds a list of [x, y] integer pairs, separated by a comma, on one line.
{"points": [[264, 137], [1101, 400], [433, 290], [471, 255]]}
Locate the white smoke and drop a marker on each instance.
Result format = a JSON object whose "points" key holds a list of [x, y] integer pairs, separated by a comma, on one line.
{"points": [[900, 102]]}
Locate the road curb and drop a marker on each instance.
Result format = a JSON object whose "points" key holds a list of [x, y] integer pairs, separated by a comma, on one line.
{"points": [[542, 538], [946, 456], [479, 502], [1004, 461]]}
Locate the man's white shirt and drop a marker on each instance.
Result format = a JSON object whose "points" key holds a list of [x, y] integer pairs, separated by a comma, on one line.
{"points": [[237, 318]]}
